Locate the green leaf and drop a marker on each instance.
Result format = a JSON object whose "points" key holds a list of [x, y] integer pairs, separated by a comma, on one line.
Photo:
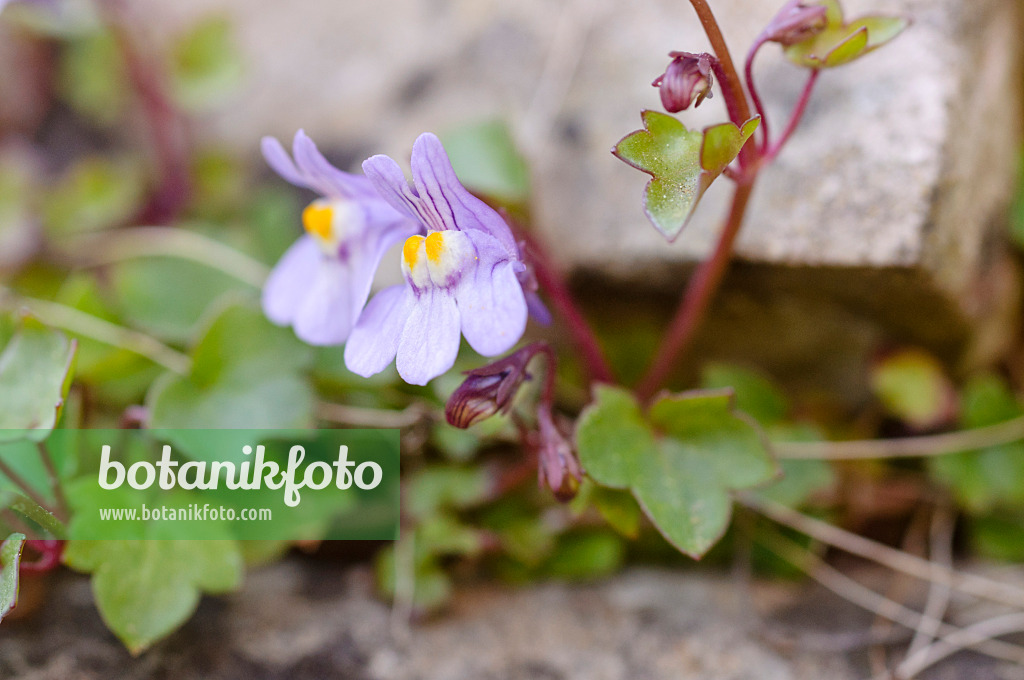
{"points": [[841, 42], [146, 589], [756, 395], [10, 561], [91, 77], [486, 160], [612, 435], [801, 479], [167, 296], [585, 555], [682, 163], [994, 476], [999, 537], [446, 487], [722, 144], [206, 64], [680, 461], [619, 509], [35, 375], [96, 193], [912, 385], [246, 373]]}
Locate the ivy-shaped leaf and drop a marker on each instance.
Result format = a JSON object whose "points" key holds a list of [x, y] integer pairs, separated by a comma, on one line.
{"points": [[760, 398], [994, 476], [206, 64], [680, 459], [682, 163], [10, 561], [35, 374], [912, 385], [146, 589], [246, 373], [842, 42]]}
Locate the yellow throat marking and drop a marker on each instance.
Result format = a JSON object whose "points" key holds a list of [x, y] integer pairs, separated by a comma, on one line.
{"points": [[318, 220], [435, 246]]}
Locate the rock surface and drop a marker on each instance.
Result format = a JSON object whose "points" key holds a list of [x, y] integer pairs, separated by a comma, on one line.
{"points": [[300, 621], [305, 619], [881, 219]]}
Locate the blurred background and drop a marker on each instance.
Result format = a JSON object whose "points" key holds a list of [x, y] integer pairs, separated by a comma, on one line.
{"points": [[876, 294]]}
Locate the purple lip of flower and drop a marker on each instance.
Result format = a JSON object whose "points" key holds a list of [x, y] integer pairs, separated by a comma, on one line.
{"points": [[462, 276], [321, 284], [796, 21], [687, 80]]}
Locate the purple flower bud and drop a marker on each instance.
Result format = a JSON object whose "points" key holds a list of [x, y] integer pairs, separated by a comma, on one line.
{"points": [[687, 80], [489, 390], [796, 22], [558, 468]]}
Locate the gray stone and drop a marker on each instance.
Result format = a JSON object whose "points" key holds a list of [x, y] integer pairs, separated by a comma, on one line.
{"points": [[882, 218], [306, 621]]}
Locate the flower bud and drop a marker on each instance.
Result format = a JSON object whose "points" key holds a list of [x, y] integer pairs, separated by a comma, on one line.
{"points": [[488, 390], [796, 22], [557, 468], [688, 79]]}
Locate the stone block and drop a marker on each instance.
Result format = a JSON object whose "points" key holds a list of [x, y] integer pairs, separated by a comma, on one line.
{"points": [[881, 221]]}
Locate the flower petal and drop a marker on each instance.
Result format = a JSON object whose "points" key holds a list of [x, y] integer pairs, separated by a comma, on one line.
{"points": [[438, 185], [329, 180], [291, 280], [491, 305], [430, 340], [374, 341], [392, 186], [281, 163], [329, 309]]}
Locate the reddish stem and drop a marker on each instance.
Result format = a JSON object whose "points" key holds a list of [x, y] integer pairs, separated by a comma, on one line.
{"points": [[49, 552], [748, 73], [732, 85], [795, 118], [166, 125], [698, 295], [565, 304]]}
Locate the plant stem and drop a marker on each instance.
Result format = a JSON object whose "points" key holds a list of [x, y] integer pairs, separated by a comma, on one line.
{"points": [[862, 596], [748, 73], [907, 447], [731, 77], [699, 292], [86, 325], [732, 85], [976, 635], [548, 393], [897, 560], [117, 245], [40, 515], [54, 479], [20, 482], [356, 416], [166, 125], [563, 301], [794, 120]]}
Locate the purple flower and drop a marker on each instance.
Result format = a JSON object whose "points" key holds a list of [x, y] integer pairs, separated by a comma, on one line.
{"points": [[796, 22], [490, 389], [687, 80], [558, 469], [463, 276], [322, 282]]}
